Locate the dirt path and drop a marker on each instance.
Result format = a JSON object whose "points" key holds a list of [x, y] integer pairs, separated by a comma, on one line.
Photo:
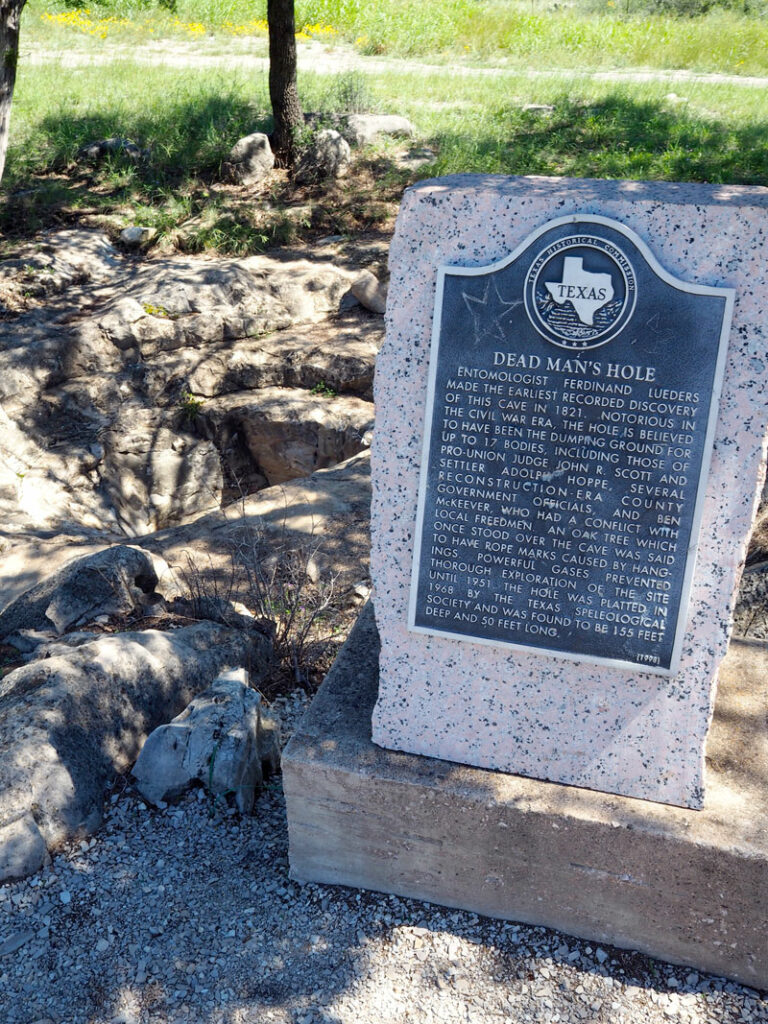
{"points": [[327, 60]]}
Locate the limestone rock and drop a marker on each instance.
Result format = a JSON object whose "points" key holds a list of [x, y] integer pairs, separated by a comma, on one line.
{"points": [[22, 849], [115, 146], [95, 434], [286, 432], [49, 454], [331, 507], [214, 608], [112, 582], [415, 158], [362, 129], [172, 304], [340, 355], [369, 292], [308, 291], [50, 265], [758, 542], [750, 616], [68, 722], [49, 645], [328, 156], [117, 324], [27, 557], [30, 361], [137, 235], [89, 252], [250, 160], [156, 471], [224, 738], [41, 350]]}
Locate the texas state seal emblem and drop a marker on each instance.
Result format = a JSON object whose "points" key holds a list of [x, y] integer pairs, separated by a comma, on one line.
{"points": [[580, 292]]}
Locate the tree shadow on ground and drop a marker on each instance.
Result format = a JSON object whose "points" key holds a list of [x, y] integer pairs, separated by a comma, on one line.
{"points": [[614, 137], [183, 148], [191, 137], [284, 952]]}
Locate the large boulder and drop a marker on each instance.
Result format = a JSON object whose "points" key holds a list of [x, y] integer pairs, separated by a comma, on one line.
{"points": [[328, 156], [116, 581], [224, 739], [68, 722], [250, 159], [362, 129]]}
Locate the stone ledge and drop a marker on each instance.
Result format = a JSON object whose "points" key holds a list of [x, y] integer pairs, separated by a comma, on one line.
{"points": [[686, 886]]}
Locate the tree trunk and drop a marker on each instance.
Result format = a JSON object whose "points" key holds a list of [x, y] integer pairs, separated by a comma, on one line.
{"points": [[283, 93], [10, 15]]}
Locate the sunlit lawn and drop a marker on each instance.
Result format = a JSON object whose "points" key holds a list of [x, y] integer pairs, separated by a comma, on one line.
{"points": [[189, 117]]}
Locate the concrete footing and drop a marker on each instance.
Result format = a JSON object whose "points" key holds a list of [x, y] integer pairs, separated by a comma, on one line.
{"points": [[686, 886]]}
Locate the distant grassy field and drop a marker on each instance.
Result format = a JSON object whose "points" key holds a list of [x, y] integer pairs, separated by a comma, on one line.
{"points": [[189, 117], [539, 33]]}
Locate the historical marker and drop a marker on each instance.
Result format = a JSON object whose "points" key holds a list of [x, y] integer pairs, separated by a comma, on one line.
{"points": [[571, 408]]}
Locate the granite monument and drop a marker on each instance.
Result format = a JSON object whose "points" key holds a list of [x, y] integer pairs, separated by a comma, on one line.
{"points": [[568, 454], [557, 533]]}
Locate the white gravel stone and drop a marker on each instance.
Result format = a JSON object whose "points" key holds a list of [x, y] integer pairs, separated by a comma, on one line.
{"points": [[200, 924]]}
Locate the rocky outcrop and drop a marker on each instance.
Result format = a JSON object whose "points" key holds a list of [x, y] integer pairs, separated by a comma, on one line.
{"points": [[110, 395], [156, 471], [44, 349], [339, 355], [49, 266], [224, 739], [170, 304], [284, 433], [68, 722], [330, 509]]}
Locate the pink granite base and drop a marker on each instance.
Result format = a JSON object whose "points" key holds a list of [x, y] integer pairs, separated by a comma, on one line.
{"points": [[621, 732]]}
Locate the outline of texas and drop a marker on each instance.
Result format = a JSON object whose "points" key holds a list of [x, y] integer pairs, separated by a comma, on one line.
{"points": [[586, 292]]}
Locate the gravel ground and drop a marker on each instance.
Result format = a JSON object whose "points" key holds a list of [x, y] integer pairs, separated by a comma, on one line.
{"points": [[186, 915]]}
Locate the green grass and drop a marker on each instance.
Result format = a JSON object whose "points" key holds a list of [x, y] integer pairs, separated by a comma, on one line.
{"points": [[547, 35], [643, 130], [188, 120], [539, 33], [474, 120]]}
